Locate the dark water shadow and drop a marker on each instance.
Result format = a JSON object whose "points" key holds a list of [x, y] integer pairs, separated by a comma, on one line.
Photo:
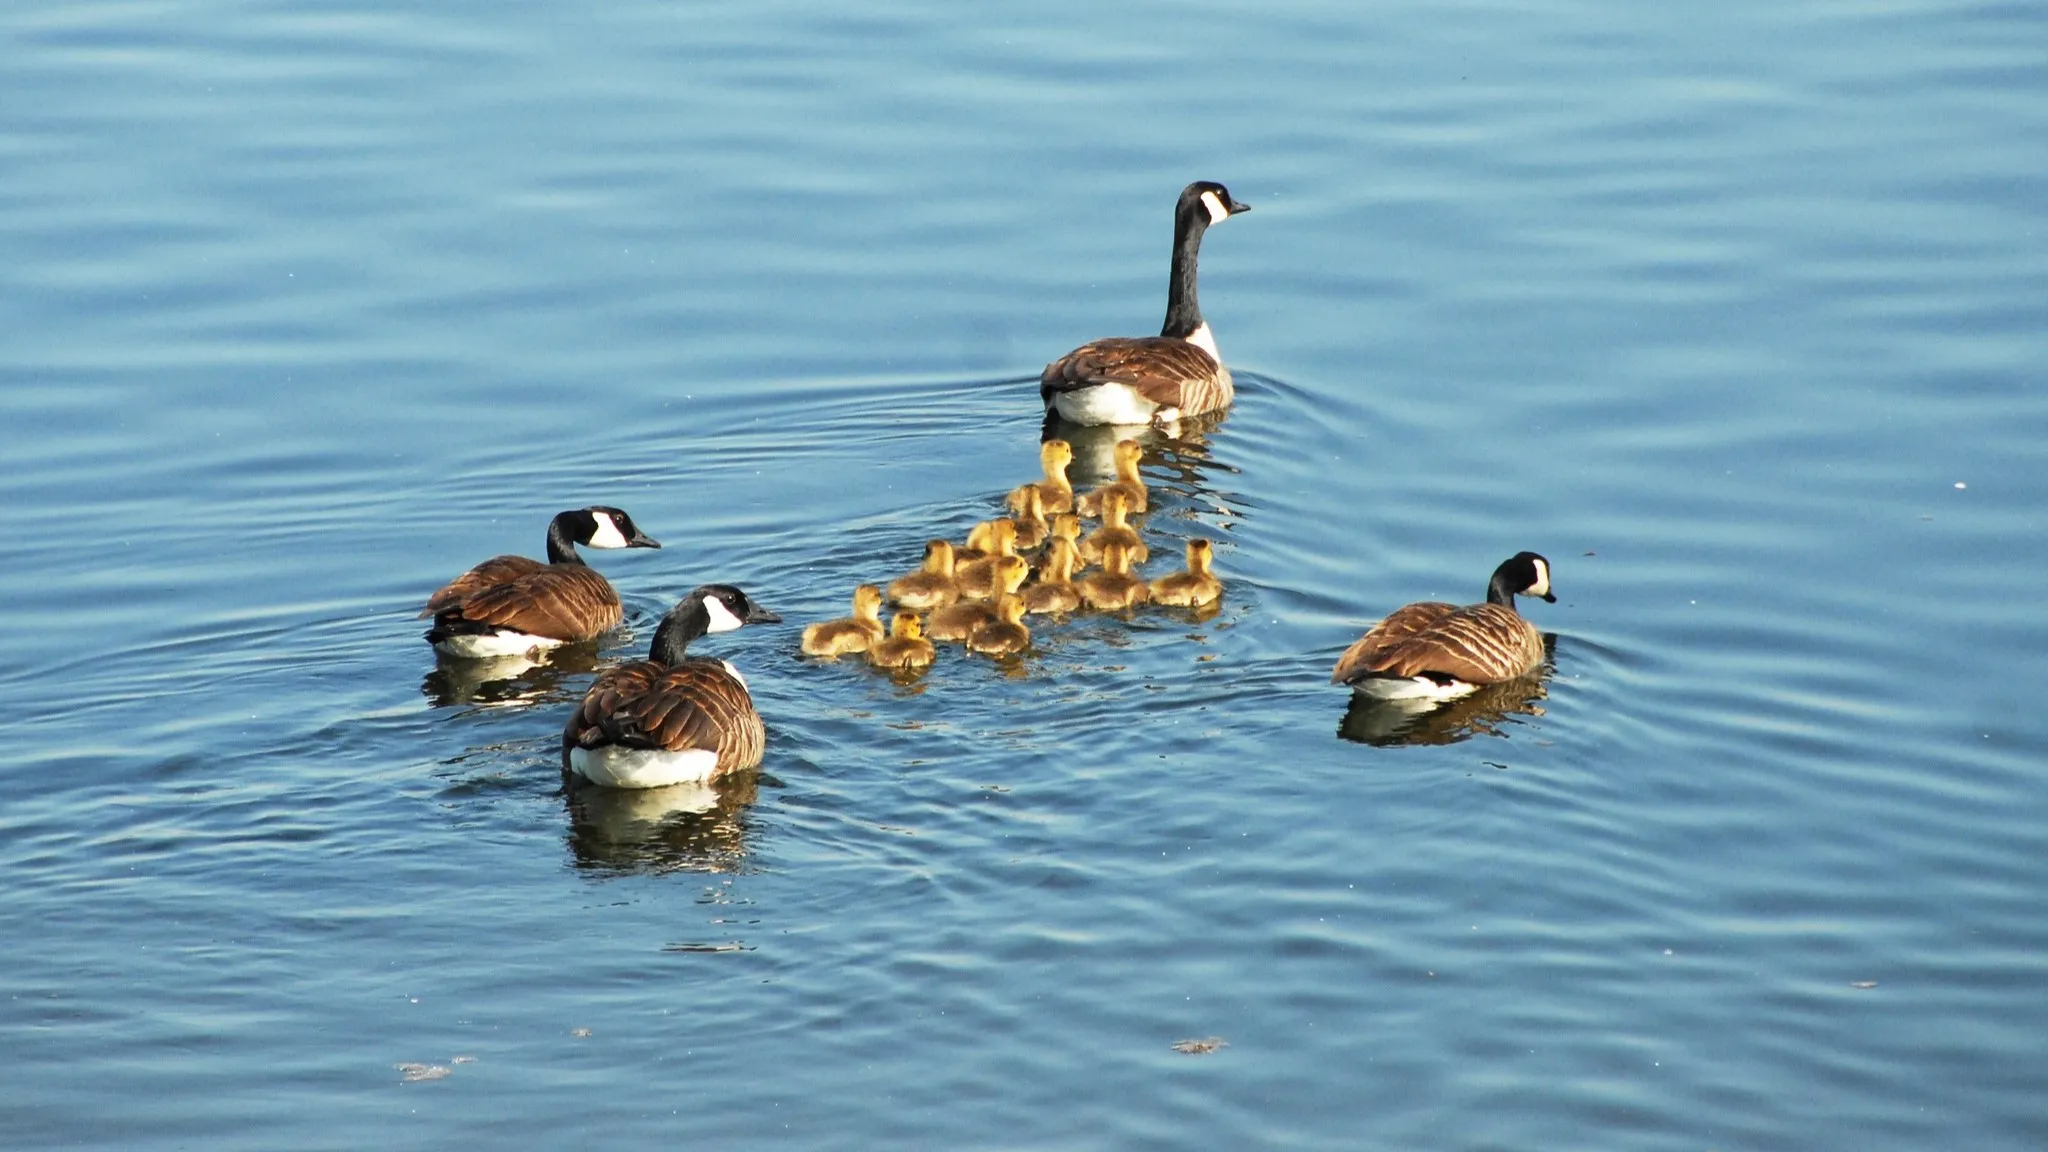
{"points": [[507, 681], [1487, 712], [643, 831]]}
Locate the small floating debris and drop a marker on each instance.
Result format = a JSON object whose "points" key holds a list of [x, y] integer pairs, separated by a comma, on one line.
{"points": [[714, 946], [580, 1033], [1862, 983], [1200, 1047], [412, 1073], [1960, 485], [463, 1060]]}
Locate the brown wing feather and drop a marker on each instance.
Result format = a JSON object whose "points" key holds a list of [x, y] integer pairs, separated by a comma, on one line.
{"points": [[1480, 644], [1166, 370], [697, 704], [560, 601], [496, 570]]}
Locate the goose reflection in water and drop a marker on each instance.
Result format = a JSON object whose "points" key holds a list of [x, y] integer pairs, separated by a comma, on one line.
{"points": [[1185, 456], [680, 828], [509, 681], [1419, 721]]}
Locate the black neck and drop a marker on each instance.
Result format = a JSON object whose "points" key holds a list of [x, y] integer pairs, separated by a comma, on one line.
{"points": [[1499, 591], [684, 623], [1183, 310], [561, 545]]}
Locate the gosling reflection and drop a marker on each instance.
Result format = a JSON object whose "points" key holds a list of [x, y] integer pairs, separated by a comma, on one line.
{"points": [[1489, 711], [508, 681], [694, 827]]}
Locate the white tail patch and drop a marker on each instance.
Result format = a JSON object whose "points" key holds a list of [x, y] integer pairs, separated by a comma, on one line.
{"points": [[491, 645], [722, 619], [1218, 212], [1411, 688], [1104, 404], [615, 767], [607, 534]]}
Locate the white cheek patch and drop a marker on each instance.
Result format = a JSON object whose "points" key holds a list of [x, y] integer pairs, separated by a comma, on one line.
{"points": [[1542, 585], [1217, 212], [607, 534], [722, 619]]}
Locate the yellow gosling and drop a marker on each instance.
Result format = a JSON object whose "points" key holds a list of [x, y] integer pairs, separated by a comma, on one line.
{"points": [[958, 621], [1128, 481], [1032, 530], [1006, 635], [1114, 587], [931, 586], [976, 579], [855, 633], [906, 646], [1055, 592], [1054, 491], [1115, 531], [1196, 586]]}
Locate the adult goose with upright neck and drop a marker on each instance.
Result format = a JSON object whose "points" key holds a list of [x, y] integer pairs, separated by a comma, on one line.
{"points": [[671, 718], [1433, 650], [1153, 379], [510, 605]]}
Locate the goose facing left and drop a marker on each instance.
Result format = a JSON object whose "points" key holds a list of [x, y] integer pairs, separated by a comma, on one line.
{"points": [[1153, 379], [510, 605], [671, 718], [1433, 650]]}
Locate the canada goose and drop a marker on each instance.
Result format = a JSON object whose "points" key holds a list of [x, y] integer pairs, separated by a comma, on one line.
{"points": [[1128, 481], [510, 605], [1005, 635], [906, 646], [1029, 518], [1114, 587], [1054, 491], [957, 620], [1125, 380], [976, 579], [671, 719], [854, 633], [1440, 650], [1194, 587], [1055, 591], [931, 586], [1115, 531]]}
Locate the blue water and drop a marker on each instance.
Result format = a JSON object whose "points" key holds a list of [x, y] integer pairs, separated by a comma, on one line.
{"points": [[1734, 314]]}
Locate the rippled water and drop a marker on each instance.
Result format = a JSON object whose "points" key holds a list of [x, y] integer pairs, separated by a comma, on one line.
{"points": [[1736, 315]]}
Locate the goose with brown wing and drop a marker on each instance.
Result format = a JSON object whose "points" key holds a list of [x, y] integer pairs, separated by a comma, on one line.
{"points": [[510, 605], [671, 718], [1153, 379], [1441, 651]]}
